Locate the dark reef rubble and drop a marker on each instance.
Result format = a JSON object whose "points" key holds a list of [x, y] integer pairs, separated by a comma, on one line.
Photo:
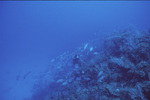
{"points": [[116, 67]]}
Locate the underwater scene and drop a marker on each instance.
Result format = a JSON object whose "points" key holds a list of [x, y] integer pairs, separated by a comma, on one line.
{"points": [[116, 69], [79, 50]]}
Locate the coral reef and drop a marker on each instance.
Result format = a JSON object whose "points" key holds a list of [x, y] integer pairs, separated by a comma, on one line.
{"points": [[115, 68]]}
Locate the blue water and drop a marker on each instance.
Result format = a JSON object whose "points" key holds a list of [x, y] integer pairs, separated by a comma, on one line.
{"points": [[33, 33]]}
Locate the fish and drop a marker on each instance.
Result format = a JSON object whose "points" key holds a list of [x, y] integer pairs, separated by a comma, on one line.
{"points": [[27, 74], [85, 46], [17, 77]]}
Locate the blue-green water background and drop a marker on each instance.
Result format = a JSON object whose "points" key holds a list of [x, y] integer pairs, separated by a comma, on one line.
{"points": [[32, 33]]}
